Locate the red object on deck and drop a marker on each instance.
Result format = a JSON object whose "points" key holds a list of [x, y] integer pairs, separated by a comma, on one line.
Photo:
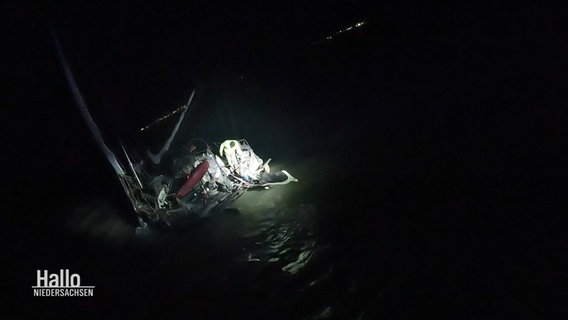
{"points": [[193, 178]]}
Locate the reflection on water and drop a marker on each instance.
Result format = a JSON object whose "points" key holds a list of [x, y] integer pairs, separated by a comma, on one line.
{"points": [[100, 220], [267, 249], [284, 237]]}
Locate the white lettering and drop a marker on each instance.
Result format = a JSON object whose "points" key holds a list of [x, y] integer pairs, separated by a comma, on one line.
{"points": [[53, 280], [42, 280], [62, 284], [75, 280]]}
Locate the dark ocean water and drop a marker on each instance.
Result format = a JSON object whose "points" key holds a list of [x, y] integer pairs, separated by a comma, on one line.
{"points": [[428, 157]]}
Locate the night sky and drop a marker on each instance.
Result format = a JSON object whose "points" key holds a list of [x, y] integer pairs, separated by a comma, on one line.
{"points": [[449, 118]]}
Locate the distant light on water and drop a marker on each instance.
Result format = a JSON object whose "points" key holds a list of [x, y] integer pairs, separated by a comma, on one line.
{"points": [[164, 117], [350, 28]]}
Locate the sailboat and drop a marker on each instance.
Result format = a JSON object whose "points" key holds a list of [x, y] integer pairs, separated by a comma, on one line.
{"points": [[170, 193]]}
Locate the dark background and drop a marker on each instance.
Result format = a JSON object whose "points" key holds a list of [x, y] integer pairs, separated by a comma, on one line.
{"points": [[443, 127]]}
